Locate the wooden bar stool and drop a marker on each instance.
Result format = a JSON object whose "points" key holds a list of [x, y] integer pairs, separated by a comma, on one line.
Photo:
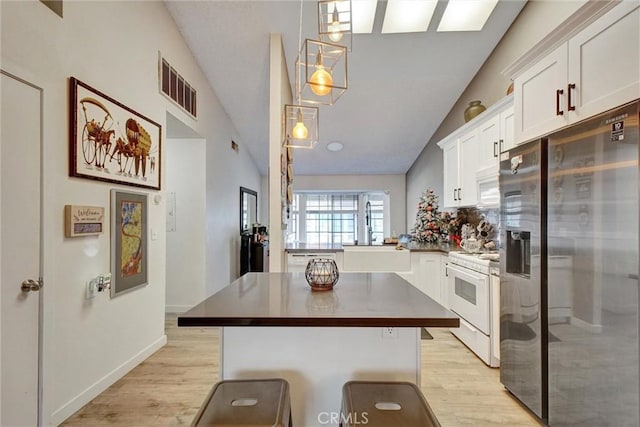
{"points": [[385, 403], [246, 403]]}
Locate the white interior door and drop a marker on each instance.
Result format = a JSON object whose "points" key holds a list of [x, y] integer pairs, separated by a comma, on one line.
{"points": [[20, 251]]}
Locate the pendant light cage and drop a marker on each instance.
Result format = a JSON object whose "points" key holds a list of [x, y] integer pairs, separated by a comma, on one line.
{"points": [[297, 117], [335, 23], [321, 72]]}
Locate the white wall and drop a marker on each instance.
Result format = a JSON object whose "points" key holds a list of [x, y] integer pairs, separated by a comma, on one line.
{"points": [[426, 172], [185, 182], [279, 95], [112, 46], [535, 21], [393, 184]]}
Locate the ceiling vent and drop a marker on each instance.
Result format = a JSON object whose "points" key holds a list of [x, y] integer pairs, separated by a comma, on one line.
{"points": [[177, 88]]}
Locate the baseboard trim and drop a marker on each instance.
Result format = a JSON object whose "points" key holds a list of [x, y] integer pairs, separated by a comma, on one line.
{"points": [[177, 308], [69, 408]]}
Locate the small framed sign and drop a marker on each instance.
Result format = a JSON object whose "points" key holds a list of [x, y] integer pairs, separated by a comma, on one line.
{"points": [[83, 220]]}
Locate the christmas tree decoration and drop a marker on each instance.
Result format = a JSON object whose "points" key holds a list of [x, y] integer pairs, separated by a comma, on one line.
{"points": [[428, 220]]}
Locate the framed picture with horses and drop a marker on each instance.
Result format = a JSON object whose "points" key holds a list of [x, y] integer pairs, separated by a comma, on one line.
{"points": [[129, 250], [111, 142]]}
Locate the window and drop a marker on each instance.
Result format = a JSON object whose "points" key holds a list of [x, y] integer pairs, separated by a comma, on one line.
{"points": [[335, 218]]}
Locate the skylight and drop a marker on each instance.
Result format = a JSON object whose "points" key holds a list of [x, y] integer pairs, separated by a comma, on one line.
{"points": [[363, 13], [466, 15], [408, 16]]}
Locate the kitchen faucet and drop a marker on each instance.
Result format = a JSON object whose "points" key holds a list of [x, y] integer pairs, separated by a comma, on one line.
{"points": [[368, 220]]}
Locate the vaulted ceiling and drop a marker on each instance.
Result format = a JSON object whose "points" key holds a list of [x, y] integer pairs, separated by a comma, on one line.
{"points": [[401, 86]]}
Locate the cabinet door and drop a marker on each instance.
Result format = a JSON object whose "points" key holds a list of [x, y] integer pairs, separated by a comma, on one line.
{"points": [[539, 104], [444, 281], [488, 146], [604, 62], [507, 135], [431, 278], [467, 191], [451, 159]]}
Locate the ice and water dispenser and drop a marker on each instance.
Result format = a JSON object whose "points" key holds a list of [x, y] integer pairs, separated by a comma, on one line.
{"points": [[518, 251]]}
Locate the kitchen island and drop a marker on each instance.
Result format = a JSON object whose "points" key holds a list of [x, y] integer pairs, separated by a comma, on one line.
{"points": [[274, 325]]}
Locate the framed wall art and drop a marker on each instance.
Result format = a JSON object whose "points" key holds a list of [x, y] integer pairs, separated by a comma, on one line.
{"points": [[129, 250], [111, 142]]}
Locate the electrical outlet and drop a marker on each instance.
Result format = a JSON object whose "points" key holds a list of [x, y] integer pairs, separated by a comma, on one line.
{"points": [[389, 333]]}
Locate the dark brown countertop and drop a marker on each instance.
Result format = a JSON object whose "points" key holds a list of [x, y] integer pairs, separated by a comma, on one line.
{"points": [[444, 248], [285, 299]]}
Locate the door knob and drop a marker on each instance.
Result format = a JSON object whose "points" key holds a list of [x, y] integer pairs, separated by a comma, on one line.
{"points": [[30, 285]]}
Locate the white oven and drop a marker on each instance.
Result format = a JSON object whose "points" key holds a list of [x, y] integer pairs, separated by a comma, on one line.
{"points": [[472, 297], [469, 296]]}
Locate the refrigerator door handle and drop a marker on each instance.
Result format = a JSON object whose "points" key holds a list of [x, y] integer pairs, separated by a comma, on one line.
{"points": [[559, 112]]}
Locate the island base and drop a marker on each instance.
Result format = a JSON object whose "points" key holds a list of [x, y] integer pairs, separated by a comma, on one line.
{"points": [[317, 361]]}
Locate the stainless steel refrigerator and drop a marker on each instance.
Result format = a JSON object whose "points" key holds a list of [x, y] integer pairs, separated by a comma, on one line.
{"points": [[569, 245]]}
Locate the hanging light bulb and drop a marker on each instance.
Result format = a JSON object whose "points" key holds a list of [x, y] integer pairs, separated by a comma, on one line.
{"points": [[300, 131], [321, 80], [335, 33]]}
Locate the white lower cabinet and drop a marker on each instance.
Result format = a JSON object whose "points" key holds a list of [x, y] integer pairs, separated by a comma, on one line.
{"points": [[297, 261], [428, 273]]}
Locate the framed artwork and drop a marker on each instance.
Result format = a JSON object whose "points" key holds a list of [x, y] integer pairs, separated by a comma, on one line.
{"points": [[111, 142], [129, 250]]}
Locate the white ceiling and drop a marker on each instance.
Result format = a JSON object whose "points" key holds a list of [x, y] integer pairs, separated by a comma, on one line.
{"points": [[401, 86]]}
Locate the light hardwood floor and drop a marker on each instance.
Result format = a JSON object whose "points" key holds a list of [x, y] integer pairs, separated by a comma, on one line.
{"points": [[168, 388]]}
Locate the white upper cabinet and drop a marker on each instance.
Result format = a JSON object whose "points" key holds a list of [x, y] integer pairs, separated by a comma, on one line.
{"points": [[474, 149], [604, 63], [590, 71], [451, 158], [460, 160], [539, 96], [489, 147], [469, 151], [507, 130]]}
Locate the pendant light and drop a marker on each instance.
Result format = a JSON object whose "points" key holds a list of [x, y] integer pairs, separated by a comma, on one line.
{"points": [[334, 22], [321, 72], [301, 126]]}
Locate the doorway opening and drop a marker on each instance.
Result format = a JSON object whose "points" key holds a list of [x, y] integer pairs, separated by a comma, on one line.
{"points": [[185, 202]]}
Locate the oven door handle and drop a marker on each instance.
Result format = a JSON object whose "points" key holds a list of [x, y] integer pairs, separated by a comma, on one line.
{"points": [[473, 274]]}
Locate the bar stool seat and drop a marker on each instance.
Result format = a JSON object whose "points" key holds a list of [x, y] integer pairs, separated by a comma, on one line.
{"points": [[385, 403], [247, 403]]}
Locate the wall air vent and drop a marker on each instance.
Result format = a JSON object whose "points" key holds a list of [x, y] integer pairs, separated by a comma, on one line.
{"points": [[176, 87]]}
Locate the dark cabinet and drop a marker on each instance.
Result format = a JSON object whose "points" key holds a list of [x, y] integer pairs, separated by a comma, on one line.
{"points": [[254, 256]]}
